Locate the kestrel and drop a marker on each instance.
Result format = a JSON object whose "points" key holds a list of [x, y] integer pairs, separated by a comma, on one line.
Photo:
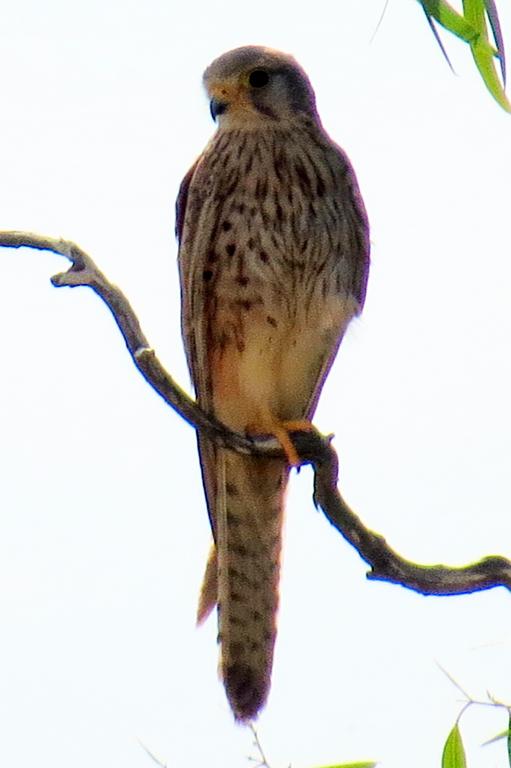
{"points": [[274, 258]]}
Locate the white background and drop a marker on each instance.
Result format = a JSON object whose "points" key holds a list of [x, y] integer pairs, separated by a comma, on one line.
{"points": [[103, 529]]}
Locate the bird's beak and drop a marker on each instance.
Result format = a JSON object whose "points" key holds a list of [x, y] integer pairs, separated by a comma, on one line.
{"points": [[217, 107]]}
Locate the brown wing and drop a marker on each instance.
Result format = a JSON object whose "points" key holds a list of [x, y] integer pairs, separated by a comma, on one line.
{"points": [[182, 198], [193, 229], [354, 235], [193, 329]]}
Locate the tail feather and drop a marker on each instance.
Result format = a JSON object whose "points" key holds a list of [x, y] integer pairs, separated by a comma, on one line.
{"points": [[249, 515], [209, 590]]}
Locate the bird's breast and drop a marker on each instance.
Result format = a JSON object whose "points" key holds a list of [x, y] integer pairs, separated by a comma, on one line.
{"points": [[276, 218]]}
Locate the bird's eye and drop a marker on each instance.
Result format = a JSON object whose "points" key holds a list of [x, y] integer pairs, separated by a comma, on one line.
{"points": [[258, 78]]}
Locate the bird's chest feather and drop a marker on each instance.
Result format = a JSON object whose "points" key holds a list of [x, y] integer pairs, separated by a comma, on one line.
{"points": [[269, 225]]}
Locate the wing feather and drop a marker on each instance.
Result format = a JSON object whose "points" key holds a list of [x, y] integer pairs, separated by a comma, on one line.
{"points": [[189, 222]]}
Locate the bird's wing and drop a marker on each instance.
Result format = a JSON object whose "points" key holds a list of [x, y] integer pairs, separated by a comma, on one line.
{"points": [[352, 237], [189, 227], [192, 331]]}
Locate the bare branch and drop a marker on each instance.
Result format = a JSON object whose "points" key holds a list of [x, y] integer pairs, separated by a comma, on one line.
{"points": [[313, 448], [387, 565]]}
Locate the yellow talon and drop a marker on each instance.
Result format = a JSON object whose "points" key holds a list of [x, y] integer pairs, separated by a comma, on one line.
{"points": [[280, 430], [282, 435]]}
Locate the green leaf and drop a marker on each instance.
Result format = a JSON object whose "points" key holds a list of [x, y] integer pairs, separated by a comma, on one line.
{"points": [[351, 765], [483, 52], [438, 39], [503, 735], [491, 11], [454, 754], [498, 737], [471, 26], [450, 19]]}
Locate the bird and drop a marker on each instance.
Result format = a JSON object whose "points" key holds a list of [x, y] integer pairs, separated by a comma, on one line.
{"points": [[273, 261]]}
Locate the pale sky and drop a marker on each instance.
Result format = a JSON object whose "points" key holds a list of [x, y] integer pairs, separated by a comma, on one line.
{"points": [[104, 531]]}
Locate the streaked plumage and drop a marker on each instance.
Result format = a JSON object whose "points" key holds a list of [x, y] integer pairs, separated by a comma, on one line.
{"points": [[274, 256]]}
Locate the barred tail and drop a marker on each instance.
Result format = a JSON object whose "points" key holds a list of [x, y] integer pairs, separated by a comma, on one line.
{"points": [[249, 515]]}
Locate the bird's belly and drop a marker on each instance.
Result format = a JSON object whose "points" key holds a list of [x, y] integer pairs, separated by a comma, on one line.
{"points": [[269, 368]]}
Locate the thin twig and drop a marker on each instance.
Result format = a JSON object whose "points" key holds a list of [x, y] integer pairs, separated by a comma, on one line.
{"points": [[262, 762], [469, 701], [378, 25], [454, 682], [153, 757]]}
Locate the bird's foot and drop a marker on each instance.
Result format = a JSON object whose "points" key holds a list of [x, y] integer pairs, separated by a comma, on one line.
{"points": [[280, 431], [300, 425]]}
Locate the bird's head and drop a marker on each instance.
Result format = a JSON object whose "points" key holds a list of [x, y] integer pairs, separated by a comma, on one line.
{"points": [[253, 84]]}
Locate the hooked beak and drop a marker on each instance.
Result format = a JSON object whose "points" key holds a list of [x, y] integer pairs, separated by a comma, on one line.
{"points": [[217, 107]]}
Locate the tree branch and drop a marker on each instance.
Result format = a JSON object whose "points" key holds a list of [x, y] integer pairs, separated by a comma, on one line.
{"points": [[313, 448]]}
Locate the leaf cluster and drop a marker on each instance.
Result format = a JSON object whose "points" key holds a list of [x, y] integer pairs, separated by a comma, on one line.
{"points": [[479, 27]]}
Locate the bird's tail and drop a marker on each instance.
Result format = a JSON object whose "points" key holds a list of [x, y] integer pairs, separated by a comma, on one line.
{"points": [[242, 574]]}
